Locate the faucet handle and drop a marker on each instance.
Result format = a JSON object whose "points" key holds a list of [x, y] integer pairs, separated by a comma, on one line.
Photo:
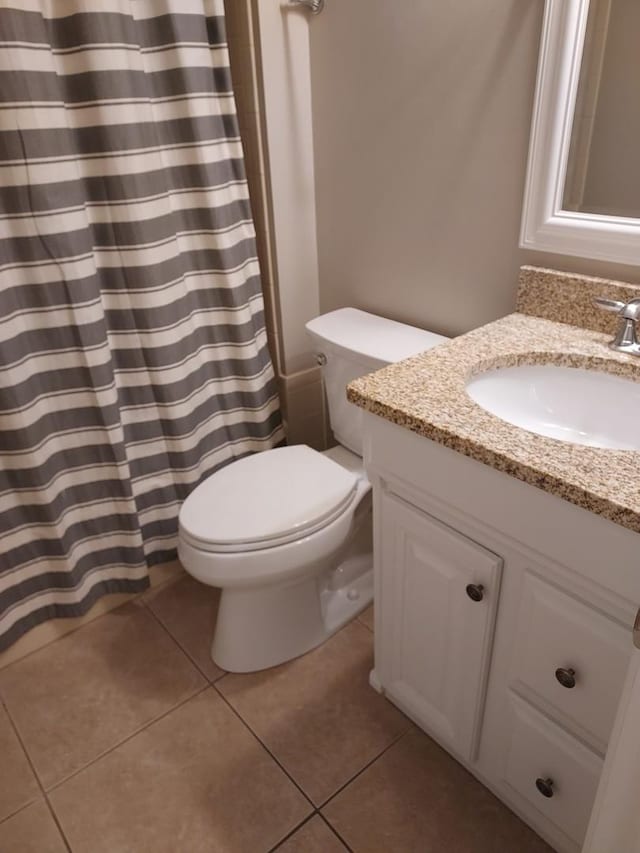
{"points": [[613, 305], [631, 310]]}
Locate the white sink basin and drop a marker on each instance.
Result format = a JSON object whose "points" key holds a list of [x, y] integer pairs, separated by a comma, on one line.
{"points": [[571, 404]]}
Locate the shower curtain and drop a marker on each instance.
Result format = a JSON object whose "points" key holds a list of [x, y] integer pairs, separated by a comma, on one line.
{"points": [[133, 353]]}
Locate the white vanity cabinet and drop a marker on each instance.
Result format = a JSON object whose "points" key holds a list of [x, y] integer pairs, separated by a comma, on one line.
{"points": [[503, 623]]}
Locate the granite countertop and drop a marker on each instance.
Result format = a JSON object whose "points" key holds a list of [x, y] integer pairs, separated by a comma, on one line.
{"points": [[426, 393]]}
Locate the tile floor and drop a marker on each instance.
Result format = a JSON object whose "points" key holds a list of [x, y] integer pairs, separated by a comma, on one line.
{"points": [[124, 737]]}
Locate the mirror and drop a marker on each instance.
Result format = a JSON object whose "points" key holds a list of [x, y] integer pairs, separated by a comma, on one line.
{"points": [[603, 169], [583, 181]]}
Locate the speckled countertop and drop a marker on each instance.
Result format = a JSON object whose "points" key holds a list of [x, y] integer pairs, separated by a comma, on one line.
{"points": [[426, 394]]}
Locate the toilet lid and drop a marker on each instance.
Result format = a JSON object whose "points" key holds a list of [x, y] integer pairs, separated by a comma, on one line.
{"points": [[267, 498]]}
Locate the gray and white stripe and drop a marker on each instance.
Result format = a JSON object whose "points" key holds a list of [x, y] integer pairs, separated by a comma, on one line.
{"points": [[133, 352]]}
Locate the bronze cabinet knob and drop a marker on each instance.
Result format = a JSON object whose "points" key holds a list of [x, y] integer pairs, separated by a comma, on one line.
{"points": [[475, 591], [545, 786], [566, 676]]}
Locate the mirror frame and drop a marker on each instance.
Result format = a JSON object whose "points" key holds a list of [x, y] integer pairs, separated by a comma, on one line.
{"points": [[545, 225]]}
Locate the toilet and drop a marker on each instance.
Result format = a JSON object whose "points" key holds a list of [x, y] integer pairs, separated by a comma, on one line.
{"points": [[286, 534]]}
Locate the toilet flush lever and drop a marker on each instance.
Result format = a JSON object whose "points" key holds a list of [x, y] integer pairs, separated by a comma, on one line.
{"points": [[314, 6]]}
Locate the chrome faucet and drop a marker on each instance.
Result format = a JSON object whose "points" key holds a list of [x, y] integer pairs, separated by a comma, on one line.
{"points": [[626, 339]]}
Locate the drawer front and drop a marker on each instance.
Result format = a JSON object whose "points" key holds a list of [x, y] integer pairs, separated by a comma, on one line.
{"points": [[561, 642], [540, 752]]}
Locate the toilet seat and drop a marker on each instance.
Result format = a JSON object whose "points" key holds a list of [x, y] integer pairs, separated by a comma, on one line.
{"points": [[266, 500]]}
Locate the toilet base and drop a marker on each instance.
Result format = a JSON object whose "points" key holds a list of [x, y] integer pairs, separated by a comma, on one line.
{"points": [[260, 628]]}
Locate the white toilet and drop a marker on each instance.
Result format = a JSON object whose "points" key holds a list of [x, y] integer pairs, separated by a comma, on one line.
{"points": [[286, 534]]}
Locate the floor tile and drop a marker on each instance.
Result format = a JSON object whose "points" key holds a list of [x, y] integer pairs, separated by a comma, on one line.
{"points": [[85, 693], [366, 617], [314, 837], [417, 799], [188, 610], [196, 780], [317, 714], [18, 785], [32, 830]]}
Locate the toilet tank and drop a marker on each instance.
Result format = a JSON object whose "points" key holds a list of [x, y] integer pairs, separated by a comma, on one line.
{"points": [[351, 343]]}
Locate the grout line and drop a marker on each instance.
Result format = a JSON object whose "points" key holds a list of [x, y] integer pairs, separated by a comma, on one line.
{"points": [[38, 782], [265, 747], [209, 684], [181, 647], [361, 623], [288, 774], [364, 624], [298, 827], [316, 808], [366, 767], [204, 687], [293, 832], [57, 822], [19, 809], [335, 831], [24, 749], [88, 619], [129, 737]]}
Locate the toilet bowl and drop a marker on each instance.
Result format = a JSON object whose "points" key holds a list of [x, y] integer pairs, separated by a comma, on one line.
{"points": [[286, 534], [270, 550]]}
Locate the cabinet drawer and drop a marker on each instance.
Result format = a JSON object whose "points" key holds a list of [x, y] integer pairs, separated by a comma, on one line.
{"points": [[537, 749], [558, 635]]}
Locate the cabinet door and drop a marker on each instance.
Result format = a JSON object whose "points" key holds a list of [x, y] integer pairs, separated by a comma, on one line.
{"points": [[434, 647]]}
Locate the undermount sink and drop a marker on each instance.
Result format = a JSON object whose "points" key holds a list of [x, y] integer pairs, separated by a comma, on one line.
{"points": [[567, 403]]}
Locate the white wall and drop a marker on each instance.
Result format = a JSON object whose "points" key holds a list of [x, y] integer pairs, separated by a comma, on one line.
{"points": [[421, 113]]}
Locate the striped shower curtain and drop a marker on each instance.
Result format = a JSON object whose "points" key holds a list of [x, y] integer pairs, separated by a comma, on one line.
{"points": [[133, 354]]}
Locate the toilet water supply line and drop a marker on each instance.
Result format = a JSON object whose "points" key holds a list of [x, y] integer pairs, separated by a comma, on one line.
{"points": [[314, 6]]}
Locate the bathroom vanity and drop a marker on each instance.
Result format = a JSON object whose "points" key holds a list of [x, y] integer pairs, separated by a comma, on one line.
{"points": [[507, 572]]}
